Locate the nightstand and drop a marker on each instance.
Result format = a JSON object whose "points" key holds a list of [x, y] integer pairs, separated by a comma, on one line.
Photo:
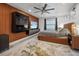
{"points": [[75, 42]]}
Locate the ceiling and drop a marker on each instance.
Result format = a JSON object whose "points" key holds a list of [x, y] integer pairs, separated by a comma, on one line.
{"points": [[60, 8]]}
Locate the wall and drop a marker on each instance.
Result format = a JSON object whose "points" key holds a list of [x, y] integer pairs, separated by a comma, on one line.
{"points": [[41, 22], [76, 17], [64, 20], [5, 22]]}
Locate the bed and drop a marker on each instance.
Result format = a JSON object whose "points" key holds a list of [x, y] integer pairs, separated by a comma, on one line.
{"points": [[54, 37]]}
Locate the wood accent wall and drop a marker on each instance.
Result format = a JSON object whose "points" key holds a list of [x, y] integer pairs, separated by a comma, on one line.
{"points": [[6, 21]]}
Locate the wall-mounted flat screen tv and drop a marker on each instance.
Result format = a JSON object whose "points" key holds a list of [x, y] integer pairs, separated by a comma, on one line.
{"points": [[19, 22], [34, 25], [21, 19]]}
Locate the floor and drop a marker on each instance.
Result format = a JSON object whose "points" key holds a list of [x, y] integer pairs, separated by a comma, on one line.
{"points": [[33, 47]]}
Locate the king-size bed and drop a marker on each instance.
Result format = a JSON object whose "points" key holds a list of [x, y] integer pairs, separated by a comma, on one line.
{"points": [[55, 37]]}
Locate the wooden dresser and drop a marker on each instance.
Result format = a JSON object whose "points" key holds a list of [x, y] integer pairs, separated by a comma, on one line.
{"points": [[75, 42], [71, 27]]}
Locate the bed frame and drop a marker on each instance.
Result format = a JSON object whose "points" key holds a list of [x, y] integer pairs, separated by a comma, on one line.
{"points": [[60, 40]]}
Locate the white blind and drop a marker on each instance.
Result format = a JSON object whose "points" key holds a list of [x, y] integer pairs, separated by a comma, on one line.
{"points": [[50, 24]]}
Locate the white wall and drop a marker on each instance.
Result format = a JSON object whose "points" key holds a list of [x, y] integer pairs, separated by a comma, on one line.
{"points": [[70, 18], [64, 19], [76, 17], [41, 24]]}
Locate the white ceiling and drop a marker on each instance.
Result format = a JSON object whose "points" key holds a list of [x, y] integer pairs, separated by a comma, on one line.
{"points": [[60, 8]]}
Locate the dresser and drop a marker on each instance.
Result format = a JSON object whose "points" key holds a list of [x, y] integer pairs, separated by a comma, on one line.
{"points": [[71, 27], [75, 42]]}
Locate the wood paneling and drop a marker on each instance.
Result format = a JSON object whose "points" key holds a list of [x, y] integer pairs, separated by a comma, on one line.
{"points": [[5, 21]]}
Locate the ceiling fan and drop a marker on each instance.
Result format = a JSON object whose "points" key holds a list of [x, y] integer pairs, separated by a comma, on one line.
{"points": [[43, 9]]}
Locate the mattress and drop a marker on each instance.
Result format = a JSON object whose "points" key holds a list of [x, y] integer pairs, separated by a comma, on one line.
{"points": [[53, 34]]}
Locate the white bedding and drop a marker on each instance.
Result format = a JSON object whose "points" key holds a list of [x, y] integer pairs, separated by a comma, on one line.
{"points": [[53, 34], [50, 31]]}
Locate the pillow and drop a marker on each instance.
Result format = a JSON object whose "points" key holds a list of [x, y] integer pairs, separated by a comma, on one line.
{"points": [[64, 31]]}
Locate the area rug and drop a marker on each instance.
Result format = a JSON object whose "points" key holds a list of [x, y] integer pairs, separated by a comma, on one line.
{"points": [[47, 49], [40, 48]]}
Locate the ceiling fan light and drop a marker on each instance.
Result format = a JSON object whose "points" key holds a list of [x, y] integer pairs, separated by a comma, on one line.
{"points": [[30, 10]]}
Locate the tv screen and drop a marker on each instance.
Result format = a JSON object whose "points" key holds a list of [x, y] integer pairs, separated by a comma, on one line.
{"points": [[33, 25], [21, 19], [19, 22]]}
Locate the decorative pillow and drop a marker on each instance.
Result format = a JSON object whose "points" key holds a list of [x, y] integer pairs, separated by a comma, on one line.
{"points": [[64, 31]]}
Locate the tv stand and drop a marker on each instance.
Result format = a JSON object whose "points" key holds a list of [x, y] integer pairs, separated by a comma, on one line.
{"points": [[32, 31]]}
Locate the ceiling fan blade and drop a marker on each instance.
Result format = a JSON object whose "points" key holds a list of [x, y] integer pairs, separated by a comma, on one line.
{"points": [[48, 12], [44, 6], [45, 12], [36, 11], [37, 8], [50, 9]]}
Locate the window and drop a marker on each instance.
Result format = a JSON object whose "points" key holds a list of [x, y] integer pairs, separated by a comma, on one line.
{"points": [[50, 24]]}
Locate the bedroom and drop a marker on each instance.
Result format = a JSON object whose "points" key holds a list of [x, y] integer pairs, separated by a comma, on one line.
{"points": [[50, 29]]}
